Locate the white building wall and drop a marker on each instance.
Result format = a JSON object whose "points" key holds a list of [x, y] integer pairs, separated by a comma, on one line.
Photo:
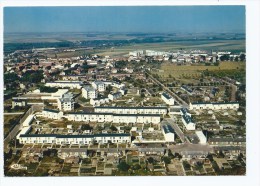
{"points": [[202, 137]]}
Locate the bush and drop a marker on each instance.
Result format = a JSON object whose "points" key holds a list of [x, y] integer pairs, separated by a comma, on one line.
{"points": [[150, 160], [166, 160], [113, 128], [136, 167], [123, 166], [86, 127]]}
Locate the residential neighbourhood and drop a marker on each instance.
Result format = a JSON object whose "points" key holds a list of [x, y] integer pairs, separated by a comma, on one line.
{"points": [[102, 126], [125, 91]]}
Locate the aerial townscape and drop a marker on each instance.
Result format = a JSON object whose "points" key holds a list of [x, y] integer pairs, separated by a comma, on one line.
{"points": [[124, 104]]}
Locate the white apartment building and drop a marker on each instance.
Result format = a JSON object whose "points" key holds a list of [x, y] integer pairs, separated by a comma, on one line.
{"points": [[16, 102], [168, 133], [90, 117], [167, 98], [185, 111], [52, 114], [25, 138], [99, 101], [136, 118], [114, 96], [202, 137], [66, 103], [89, 92], [214, 106], [65, 84], [188, 122], [186, 119], [132, 110], [136, 53], [56, 95], [99, 86], [114, 118]]}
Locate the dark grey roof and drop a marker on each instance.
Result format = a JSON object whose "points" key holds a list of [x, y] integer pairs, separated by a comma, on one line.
{"points": [[18, 100], [74, 82], [168, 129], [225, 103], [117, 94], [38, 135], [100, 98], [186, 88], [166, 95], [50, 110], [187, 118], [184, 111], [74, 136], [112, 135]]}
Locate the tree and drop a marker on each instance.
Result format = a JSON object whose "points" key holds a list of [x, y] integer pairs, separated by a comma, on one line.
{"points": [[32, 76], [123, 166], [242, 57], [225, 57], [150, 160], [86, 127], [166, 160], [136, 167], [113, 128], [48, 89], [10, 77]]}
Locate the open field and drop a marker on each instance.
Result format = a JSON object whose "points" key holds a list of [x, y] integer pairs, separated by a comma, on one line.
{"points": [[171, 46], [184, 70]]}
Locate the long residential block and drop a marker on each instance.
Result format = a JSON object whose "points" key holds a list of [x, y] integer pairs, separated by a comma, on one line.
{"points": [[103, 117], [132, 110]]}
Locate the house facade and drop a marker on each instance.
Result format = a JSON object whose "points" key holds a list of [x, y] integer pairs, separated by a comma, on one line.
{"points": [[214, 106], [132, 110], [89, 92]]}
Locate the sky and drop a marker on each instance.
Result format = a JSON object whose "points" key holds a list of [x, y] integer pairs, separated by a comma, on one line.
{"points": [[147, 19]]}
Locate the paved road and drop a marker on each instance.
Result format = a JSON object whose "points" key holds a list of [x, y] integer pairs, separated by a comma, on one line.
{"points": [[191, 147], [176, 128]]}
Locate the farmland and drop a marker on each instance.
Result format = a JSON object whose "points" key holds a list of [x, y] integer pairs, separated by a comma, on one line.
{"points": [[169, 69]]}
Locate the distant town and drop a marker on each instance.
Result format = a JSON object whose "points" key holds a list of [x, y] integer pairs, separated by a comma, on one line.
{"points": [[146, 112]]}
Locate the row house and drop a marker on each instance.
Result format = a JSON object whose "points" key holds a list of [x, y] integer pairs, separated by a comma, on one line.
{"points": [[74, 139], [65, 84], [132, 110], [214, 106]]}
